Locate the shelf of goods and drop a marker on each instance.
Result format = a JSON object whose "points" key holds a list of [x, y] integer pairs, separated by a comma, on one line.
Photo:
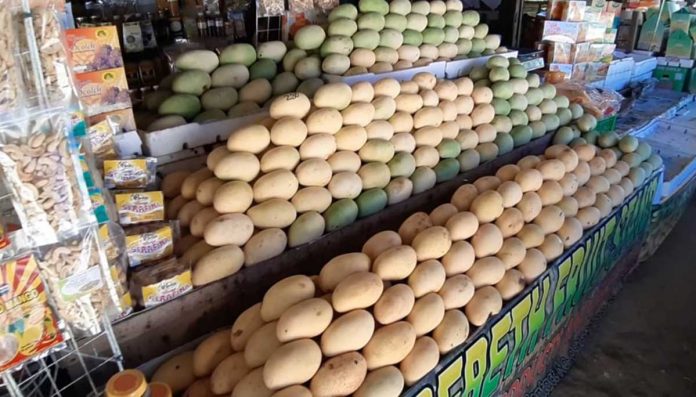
{"points": [[373, 41], [388, 142], [463, 299]]}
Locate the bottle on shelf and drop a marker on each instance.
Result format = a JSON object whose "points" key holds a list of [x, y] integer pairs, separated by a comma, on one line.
{"points": [[176, 26]]}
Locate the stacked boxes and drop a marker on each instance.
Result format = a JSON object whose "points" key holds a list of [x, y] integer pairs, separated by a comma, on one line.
{"points": [[581, 37], [680, 43]]}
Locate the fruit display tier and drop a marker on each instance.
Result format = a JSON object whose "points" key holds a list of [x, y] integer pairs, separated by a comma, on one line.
{"points": [[211, 306]]}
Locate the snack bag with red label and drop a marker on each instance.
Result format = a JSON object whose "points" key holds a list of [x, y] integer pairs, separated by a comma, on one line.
{"points": [[28, 325]]}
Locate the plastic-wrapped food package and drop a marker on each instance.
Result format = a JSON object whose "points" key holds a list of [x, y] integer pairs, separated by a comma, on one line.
{"points": [[598, 102], [77, 273], [10, 83], [53, 57], [270, 8], [43, 176], [160, 282], [113, 240], [101, 138], [151, 242], [28, 325], [130, 173]]}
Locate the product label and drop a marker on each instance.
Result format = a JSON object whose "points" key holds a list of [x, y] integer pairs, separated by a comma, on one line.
{"points": [[132, 37], [103, 91], [167, 289], [80, 284], [140, 207], [94, 48], [126, 174], [101, 140], [29, 326], [150, 246]]}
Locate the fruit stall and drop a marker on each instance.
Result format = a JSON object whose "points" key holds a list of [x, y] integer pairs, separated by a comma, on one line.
{"points": [[386, 202]]}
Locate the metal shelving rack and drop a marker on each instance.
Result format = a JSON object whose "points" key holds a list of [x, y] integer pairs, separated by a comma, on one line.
{"points": [[79, 366]]}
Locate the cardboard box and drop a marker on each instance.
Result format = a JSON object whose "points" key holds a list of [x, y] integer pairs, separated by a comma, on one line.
{"points": [[610, 36], [124, 118], [592, 14], [564, 32], [576, 71], [673, 78], [679, 45], [681, 20], [555, 9], [595, 32], [568, 53], [103, 91], [91, 49], [652, 34], [574, 11]]}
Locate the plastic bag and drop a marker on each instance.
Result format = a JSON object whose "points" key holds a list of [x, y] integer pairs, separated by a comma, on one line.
{"points": [[76, 271], [160, 282], [101, 138], [130, 173], [42, 173], [600, 103], [53, 56], [28, 325], [10, 82], [150, 243], [113, 239]]}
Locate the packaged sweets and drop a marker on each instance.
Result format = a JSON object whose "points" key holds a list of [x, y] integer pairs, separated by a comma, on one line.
{"points": [[29, 327], [150, 243], [160, 282], [103, 91], [42, 172], [139, 207], [93, 48], [101, 138], [123, 117], [130, 173], [113, 240]]}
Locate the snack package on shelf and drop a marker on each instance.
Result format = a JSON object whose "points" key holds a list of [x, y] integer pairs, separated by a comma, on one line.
{"points": [[78, 276], [600, 103], [53, 56], [113, 239], [29, 326], [139, 207], [41, 170], [151, 242], [101, 138], [136, 173], [160, 282], [94, 48], [11, 87]]}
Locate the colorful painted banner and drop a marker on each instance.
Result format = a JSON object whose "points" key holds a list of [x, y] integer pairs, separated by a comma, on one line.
{"points": [[513, 353]]}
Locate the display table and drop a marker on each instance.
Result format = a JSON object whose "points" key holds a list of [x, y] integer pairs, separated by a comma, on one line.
{"points": [[205, 309], [526, 348]]}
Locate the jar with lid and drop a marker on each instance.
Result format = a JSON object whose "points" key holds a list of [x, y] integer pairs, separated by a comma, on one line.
{"points": [[128, 383]]}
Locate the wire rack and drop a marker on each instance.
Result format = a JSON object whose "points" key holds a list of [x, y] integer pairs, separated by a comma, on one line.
{"points": [[79, 369]]}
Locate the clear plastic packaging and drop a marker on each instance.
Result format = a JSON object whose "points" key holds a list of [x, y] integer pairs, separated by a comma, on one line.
{"points": [[130, 173], [600, 103], [101, 138], [53, 57], [113, 240], [77, 273], [160, 282], [10, 83], [150, 243], [43, 176]]}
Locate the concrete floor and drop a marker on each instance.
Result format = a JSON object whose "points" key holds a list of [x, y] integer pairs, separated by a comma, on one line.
{"points": [[645, 343]]}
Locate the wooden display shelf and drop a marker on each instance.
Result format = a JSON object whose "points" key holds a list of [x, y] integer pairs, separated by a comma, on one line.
{"points": [[150, 333]]}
